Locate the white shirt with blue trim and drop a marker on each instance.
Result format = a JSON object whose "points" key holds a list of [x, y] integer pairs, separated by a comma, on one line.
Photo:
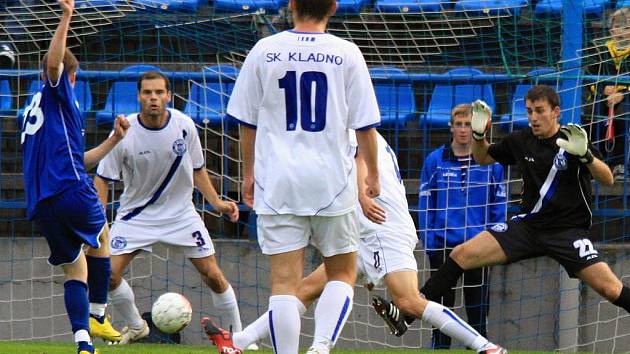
{"points": [[156, 166], [303, 92]]}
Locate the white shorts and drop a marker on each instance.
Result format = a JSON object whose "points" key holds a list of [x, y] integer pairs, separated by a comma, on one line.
{"points": [[331, 235], [190, 234], [384, 253]]}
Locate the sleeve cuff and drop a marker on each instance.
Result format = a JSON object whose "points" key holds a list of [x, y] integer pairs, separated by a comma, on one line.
{"points": [[241, 122], [108, 179], [369, 126], [198, 168]]}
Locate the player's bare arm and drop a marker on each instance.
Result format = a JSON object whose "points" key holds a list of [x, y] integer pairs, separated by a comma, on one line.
{"points": [[368, 152], [54, 62], [601, 172], [248, 142], [202, 182], [371, 209], [101, 189], [480, 124], [93, 156]]}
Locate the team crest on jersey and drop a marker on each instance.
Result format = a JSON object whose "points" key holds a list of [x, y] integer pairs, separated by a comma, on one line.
{"points": [[560, 161], [179, 147], [118, 243], [500, 227]]}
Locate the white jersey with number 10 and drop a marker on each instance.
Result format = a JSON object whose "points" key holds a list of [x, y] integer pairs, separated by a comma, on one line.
{"points": [[303, 92]]}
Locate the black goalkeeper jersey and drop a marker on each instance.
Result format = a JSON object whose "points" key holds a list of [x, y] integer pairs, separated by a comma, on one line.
{"points": [[556, 186]]}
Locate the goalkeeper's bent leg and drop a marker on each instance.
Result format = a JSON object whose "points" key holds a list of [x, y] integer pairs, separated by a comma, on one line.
{"points": [[442, 280]]}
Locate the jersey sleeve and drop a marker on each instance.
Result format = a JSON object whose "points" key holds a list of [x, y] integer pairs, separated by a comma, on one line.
{"points": [[361, 99], [501, 152], [110, 167], [247, 95], [498, 206], [196, 152], [62, 88], [426, 199]]}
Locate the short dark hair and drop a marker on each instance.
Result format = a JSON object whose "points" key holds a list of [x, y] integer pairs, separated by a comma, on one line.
{"points": [[70, 62], [317, 10], [543, 92], [152, 75]]}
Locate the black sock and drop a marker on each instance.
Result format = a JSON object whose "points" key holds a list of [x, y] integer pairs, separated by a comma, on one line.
{"points": [[624, 299], [442, 280]]}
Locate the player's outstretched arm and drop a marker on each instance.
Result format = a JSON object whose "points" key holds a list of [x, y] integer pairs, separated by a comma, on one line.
{"points": [[368, 151], [370, 208], [102, 189], [248, 143], [93, 156], [574, 140], [58, 43], [203, 183], [481, 114]]}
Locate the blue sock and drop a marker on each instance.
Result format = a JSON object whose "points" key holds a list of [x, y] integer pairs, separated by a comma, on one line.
{"points": [[99, 271], [77, 306], [85, 346]]}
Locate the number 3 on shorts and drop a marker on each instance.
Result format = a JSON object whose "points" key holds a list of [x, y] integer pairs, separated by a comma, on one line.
{"points": [[198, 238]]}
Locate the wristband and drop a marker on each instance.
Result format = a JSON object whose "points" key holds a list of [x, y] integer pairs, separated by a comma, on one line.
{"points": [[587, 158], [477, 136]]}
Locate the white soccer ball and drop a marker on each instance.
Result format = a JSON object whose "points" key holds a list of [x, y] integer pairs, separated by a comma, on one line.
{"points": [[171, 312]]}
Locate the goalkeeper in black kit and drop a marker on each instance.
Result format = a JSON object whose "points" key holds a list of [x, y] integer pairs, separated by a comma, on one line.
{"points": [[557, 163]]}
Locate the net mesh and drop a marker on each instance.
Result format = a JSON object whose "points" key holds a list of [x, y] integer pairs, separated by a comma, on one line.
{"points": [[412, 49]]}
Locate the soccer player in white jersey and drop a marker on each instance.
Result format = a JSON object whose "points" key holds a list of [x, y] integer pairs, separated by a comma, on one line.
{"points": [[160, 162], [387, 240], [296, 96]]}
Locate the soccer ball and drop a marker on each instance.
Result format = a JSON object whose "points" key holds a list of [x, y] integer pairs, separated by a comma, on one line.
{"points": [[171, 312]]}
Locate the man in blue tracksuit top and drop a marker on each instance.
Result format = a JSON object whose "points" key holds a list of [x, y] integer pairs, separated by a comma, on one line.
{"points": [[458, 199]]}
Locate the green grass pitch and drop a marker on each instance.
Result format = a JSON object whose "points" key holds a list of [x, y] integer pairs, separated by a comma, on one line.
{"points": [[68, 348]]}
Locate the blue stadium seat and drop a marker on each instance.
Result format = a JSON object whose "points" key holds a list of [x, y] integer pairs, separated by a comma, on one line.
{"points": [[83, 93], [518, 118], [622, 3], [123, 96], [445, 97], [6, 98], [594, 8], [492, 7], [410, 6], [207, 101], [239, 6], [351, 6], [396, 101], [170, 5]]}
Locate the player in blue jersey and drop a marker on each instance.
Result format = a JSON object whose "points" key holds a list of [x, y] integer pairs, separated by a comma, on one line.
{"points": [[60, 196]]}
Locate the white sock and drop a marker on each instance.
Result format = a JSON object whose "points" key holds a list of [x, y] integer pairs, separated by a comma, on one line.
{"points": [[123, 299], [258, 329], [227, 306], [82, 336], [284, 324], [450, 324], [331, 313], [97, 309]]}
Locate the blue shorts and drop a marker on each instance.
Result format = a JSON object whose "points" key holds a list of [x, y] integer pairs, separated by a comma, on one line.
{"points": [[69, 220]]}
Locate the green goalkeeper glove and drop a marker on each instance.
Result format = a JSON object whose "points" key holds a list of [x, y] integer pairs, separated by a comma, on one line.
{"points": [[575, 142], [480, 119]]}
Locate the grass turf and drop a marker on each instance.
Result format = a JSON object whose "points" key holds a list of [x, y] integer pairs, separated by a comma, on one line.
{"points": [[68, 348]]}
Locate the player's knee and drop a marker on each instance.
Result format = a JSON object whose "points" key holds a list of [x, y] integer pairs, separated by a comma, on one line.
{"points": [[609, 291], [460, 253], [114, 281]]}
